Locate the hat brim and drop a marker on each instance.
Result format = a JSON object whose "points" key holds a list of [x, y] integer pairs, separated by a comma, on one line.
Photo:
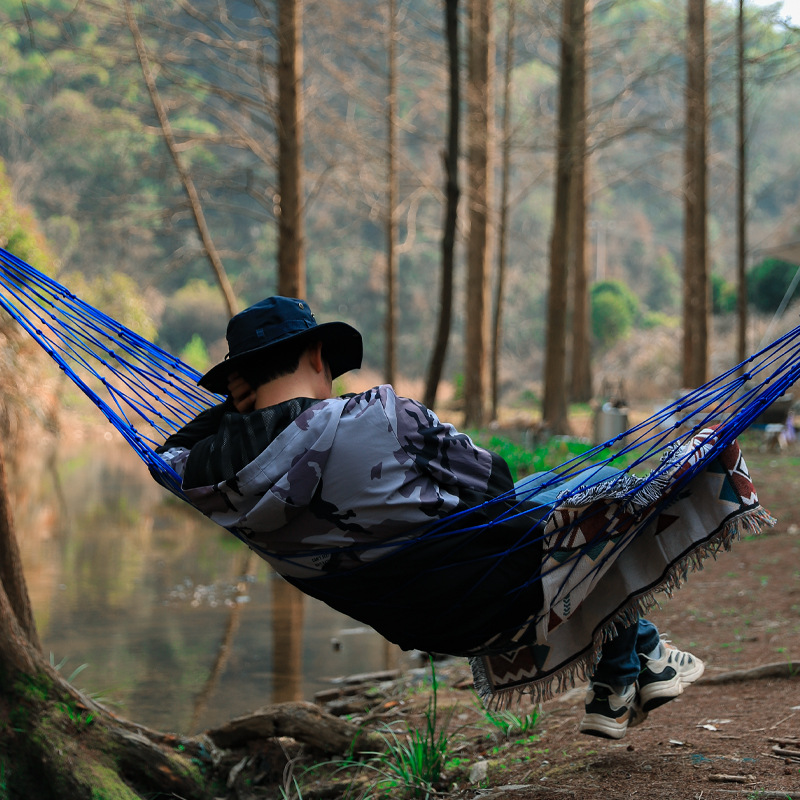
{"points": [[342, 347]]}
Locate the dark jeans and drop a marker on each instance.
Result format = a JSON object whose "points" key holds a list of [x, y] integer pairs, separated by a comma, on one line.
{"points": [[619, 659]]}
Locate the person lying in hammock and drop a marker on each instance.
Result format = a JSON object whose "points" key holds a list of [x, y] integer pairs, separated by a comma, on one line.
{"points": [[372, 504]]}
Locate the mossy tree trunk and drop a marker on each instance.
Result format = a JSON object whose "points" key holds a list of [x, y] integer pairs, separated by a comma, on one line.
{"points": [[57, 743]]}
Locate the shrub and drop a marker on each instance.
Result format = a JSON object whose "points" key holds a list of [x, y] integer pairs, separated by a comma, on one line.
{"points": [[768, 282], [614, 308], [723, 295]]}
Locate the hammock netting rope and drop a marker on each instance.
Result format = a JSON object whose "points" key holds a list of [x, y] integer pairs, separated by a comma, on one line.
{"points": [[147, 394]]}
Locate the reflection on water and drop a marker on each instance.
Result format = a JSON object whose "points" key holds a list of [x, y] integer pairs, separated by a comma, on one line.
{"points": [[174, 617]]}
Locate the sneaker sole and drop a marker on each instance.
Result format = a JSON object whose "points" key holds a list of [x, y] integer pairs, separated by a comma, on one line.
{"points": [[656, 694], [598, 725]]}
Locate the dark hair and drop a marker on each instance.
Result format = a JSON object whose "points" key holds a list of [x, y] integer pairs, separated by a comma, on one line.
{"points": [[262, 368]]}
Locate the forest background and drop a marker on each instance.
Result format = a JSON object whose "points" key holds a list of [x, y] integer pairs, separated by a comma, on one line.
{"points": [[118, 122], [84, 151]]}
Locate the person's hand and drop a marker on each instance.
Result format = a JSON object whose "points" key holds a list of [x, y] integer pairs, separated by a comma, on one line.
{"points": [[242, 394]]}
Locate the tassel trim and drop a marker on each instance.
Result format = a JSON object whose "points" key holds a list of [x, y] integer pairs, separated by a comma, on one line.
{"points": [[580, 669]]}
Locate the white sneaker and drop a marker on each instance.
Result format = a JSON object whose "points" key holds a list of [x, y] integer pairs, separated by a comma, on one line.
{"points": [[608, 713], [662, 679]]}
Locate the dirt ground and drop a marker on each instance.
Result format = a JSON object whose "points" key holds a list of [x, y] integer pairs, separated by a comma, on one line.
{"points": [[717, 740], [737, 738]]}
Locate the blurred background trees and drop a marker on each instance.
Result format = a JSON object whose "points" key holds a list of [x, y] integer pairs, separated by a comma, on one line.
{"points": [[84, 151]]}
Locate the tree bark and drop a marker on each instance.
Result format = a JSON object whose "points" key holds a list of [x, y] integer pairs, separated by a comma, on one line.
{"points": [[581, 372], [695, 280], [479, 125], [391, 196], [305, 722], [554, 404], [287, 640], [12, 577], [502, 230], [452, 193], [741, 193], [291, 233]]}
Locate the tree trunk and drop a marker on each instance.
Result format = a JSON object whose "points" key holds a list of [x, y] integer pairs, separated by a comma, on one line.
{"points": [[581, 373], [502, 231], [12, 578], [695, 279], [479, 125], [291, 234], [391, 198], [554, 405], [287, 640], [452, 193], [741, 194]]}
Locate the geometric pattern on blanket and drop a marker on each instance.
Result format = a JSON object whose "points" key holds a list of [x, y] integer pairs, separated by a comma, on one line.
{"points": [[594, 580], [147, 393]]}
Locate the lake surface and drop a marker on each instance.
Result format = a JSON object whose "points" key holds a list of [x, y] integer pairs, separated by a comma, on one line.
{"points": [[164, 612]]}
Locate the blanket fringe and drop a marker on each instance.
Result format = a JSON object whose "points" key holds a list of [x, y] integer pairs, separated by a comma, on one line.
{"points": [[749, 523]]}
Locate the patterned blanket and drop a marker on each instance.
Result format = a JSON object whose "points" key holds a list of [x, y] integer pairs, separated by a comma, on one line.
{"points": [[608, 551]]}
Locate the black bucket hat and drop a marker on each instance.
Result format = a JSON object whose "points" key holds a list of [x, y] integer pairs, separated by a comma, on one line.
{"points": [[272, 323]]}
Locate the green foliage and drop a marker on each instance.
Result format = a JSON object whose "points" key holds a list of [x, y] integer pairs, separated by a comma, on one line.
{"points": [[723, 295], [657, 319], [80, 718], [523, 461], [510, 724], [195, 310], [196, 354], [117, 295], [413, 759], [19, 231], [613, 310], [768, 282], [59, 666]]}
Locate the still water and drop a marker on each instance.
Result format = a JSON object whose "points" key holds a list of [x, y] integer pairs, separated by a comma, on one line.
{"points": [[171, 616]]}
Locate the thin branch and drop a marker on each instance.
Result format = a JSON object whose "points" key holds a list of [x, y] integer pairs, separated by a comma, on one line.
{"points": [[186, 178]]}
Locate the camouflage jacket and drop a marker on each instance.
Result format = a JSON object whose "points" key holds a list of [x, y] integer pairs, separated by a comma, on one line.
{"points": [[317, 487]]}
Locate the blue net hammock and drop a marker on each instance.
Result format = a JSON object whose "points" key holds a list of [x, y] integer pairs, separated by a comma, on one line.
{"points": [[675, 485]]}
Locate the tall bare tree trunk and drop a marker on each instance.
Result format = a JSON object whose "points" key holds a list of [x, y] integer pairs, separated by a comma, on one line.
{"points": [[695, 280], [479, 126], [502, 231], [581, 373], [452, 193], [186, 179], [291, 267], [741, 194], [554, 405], [391, 197], [291, 233]]}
